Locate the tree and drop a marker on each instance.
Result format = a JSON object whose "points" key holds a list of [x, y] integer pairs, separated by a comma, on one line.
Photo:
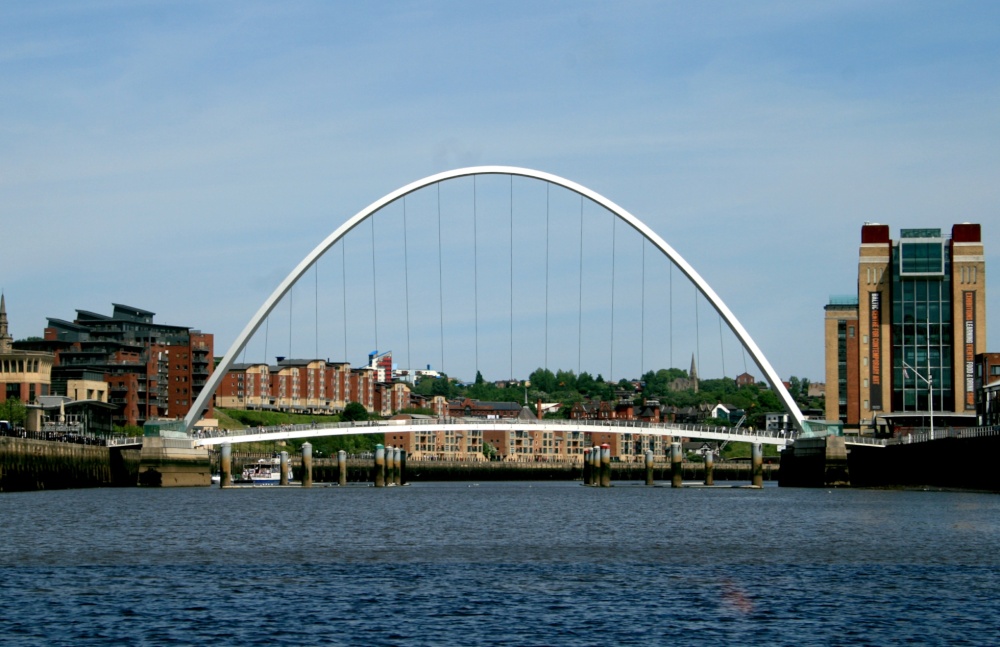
{"points": [[14, 412], [544, 380], [354, 411], [479, 378]]}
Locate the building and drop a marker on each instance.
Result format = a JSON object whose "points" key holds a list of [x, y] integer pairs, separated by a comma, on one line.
{"points": [[152, 370], [381, 363], [904, 348], [25, 375], [987, 385]]}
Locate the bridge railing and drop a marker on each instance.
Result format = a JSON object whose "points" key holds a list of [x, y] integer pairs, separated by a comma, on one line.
{"points": [[667, 429]]}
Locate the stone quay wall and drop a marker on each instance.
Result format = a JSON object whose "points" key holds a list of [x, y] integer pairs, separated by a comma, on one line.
{"points": [[27, 465]]}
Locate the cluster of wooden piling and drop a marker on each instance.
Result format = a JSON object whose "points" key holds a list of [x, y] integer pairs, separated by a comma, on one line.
{"points": [[390, 466], [597, 466]]}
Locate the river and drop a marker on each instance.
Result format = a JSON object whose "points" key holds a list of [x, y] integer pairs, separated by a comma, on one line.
{"points": [[499, 564]]}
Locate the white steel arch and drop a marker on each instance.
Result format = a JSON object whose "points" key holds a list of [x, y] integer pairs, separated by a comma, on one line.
{"points": [[255, 322]]}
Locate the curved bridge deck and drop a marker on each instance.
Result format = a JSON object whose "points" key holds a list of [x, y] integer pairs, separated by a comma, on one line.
{"points": [[636, 427]]}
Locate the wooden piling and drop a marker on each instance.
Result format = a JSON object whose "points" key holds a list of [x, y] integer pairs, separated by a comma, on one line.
{"points": [[378, 474], [605, 465], [757, 461], [676, 457], [307, 465], [390, 466], [226, 465]]}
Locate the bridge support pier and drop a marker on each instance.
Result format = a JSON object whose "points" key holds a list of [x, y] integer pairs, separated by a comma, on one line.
{"points": [[586, 466], [283, 480], [676, 476], [649, 467], [757, 462], [595, 466], [390, 465], [226, 465], [378, 473], [709, 468], [307, 465], [342, 467], [605, 465], [397, 461]]}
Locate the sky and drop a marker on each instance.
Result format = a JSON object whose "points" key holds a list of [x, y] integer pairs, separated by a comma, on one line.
{"points": [[183, 157]]}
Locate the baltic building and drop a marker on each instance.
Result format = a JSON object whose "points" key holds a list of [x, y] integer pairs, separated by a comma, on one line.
{"points": [[901, 353]]}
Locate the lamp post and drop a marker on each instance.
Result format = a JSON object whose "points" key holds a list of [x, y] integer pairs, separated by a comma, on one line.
{"points": [[930, 391]]}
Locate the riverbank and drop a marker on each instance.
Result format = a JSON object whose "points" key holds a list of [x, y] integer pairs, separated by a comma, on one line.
{"points": [[27, 464]]}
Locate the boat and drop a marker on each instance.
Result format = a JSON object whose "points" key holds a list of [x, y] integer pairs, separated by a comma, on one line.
{"points": [[266, 471]]}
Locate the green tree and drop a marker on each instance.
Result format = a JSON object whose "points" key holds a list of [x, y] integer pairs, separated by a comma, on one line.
{"points": [[128, 430], [354, 411], [544, 380], [14, 412]]}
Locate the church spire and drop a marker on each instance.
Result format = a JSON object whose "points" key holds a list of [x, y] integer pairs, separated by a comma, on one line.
{"points": [[5, 338], [694, 373]]}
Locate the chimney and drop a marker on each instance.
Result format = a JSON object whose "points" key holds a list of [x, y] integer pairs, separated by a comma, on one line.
{"points": [[539, 408]]}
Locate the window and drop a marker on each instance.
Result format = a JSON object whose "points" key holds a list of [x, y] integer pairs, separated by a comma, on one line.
{"points": [[924, 257]]}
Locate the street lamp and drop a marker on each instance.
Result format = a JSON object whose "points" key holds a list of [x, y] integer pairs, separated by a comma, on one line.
{"points": [[930, 390]]}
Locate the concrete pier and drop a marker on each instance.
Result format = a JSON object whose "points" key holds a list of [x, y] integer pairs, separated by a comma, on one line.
{"points": [[649, 467], [390, 465], [757, 462], [342, 467], [676, 475], [605, 465], [586, 466], [397, 468], [709, 468], [226, 465], [166, 461], [378, 476], [283, 480], [307, 465]]}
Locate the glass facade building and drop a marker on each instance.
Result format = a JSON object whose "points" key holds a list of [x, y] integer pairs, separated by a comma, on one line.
{"points": [[904, 351]]}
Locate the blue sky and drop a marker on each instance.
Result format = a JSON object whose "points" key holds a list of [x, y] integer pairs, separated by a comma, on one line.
{"points": [[182, 157]]}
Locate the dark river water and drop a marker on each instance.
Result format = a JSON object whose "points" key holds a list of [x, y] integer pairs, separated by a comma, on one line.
{"points": [[499, 564]]}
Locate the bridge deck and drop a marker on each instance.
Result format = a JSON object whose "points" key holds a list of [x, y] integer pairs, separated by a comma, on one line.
{"points": [[582, 426]]}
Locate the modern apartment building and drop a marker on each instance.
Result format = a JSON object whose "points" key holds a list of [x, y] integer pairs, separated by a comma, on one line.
{"points": [[903, 349], [153, 370]]}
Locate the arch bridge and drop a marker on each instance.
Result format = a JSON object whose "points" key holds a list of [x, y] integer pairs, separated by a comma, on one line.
{"points": [[773, 380]]}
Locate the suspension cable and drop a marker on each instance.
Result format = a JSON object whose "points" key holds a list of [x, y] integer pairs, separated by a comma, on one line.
{"points": [[440, 279], [614, 229], [642, 317], [475, 264], [291, 298], [316, 302], [511, 277], [671, 300], [267, 334], [406, 278], [697, 329], [343, 287], [548, 185], [374, 282], [579, 324], [722, 348]]}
